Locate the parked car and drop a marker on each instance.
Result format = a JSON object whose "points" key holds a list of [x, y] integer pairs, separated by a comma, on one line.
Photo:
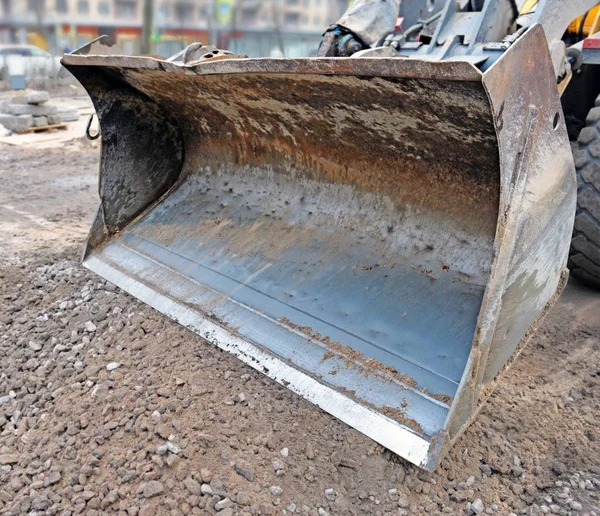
{"points": [[28, 60], [23, 50]]}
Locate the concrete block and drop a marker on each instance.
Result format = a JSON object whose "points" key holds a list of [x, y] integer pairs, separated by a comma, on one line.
{"points": [[16, 123], [53, 119], [37, 97], [39, 121], [20, 99], [30, 109], [69, 114]]}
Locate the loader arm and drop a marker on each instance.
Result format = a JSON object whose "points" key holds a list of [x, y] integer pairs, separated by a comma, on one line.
{"points": [[476, 32]]}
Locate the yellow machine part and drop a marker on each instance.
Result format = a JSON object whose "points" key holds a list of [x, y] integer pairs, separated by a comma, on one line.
{"points": [[591, 23], [529, 6], [33, 38]]}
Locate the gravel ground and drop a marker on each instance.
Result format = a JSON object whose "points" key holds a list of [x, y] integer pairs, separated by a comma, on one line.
{"points": [[108, 407]]}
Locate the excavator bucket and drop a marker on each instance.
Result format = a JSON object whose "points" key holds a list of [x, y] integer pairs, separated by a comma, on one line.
{"points": [[380, 235]]}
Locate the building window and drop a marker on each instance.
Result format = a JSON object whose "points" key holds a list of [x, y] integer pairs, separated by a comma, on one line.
{"points": [[317, 21], [61, 6], [103, 9], [248, 17], [125, 9], [83, 7], [292, 19], [184, 12], [36, 6], [203, 13], [163, 12], [293, 2]]}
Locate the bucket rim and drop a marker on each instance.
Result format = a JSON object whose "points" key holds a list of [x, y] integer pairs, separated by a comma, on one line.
{"points": [[385, 67]]}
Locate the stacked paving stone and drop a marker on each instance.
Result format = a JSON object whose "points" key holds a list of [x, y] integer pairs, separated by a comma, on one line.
{"points": [[33, 110]]}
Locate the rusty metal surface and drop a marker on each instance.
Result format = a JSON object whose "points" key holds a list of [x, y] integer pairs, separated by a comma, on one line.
{"points": [[310, 126], [406, 217], [537, 209], [542, 239], [377, 67], [140, 139]]}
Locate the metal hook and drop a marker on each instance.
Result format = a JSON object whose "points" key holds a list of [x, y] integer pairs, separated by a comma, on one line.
{"points": [[87, 129]]}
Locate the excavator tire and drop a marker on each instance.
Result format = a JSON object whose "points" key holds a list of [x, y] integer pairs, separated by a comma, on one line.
{"points": [[585, 248]]}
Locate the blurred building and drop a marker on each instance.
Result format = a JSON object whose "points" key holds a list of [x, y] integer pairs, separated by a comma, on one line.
{"points": [[254, 27]]}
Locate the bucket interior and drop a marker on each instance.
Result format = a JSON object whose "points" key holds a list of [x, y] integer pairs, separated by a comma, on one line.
{"points": [[343, 224]]}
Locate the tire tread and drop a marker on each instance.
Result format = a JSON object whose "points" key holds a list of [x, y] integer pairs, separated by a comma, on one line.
{"points": [[584, 260]]}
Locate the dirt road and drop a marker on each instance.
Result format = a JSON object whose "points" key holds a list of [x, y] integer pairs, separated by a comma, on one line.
{"points": [[108, 407]]}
